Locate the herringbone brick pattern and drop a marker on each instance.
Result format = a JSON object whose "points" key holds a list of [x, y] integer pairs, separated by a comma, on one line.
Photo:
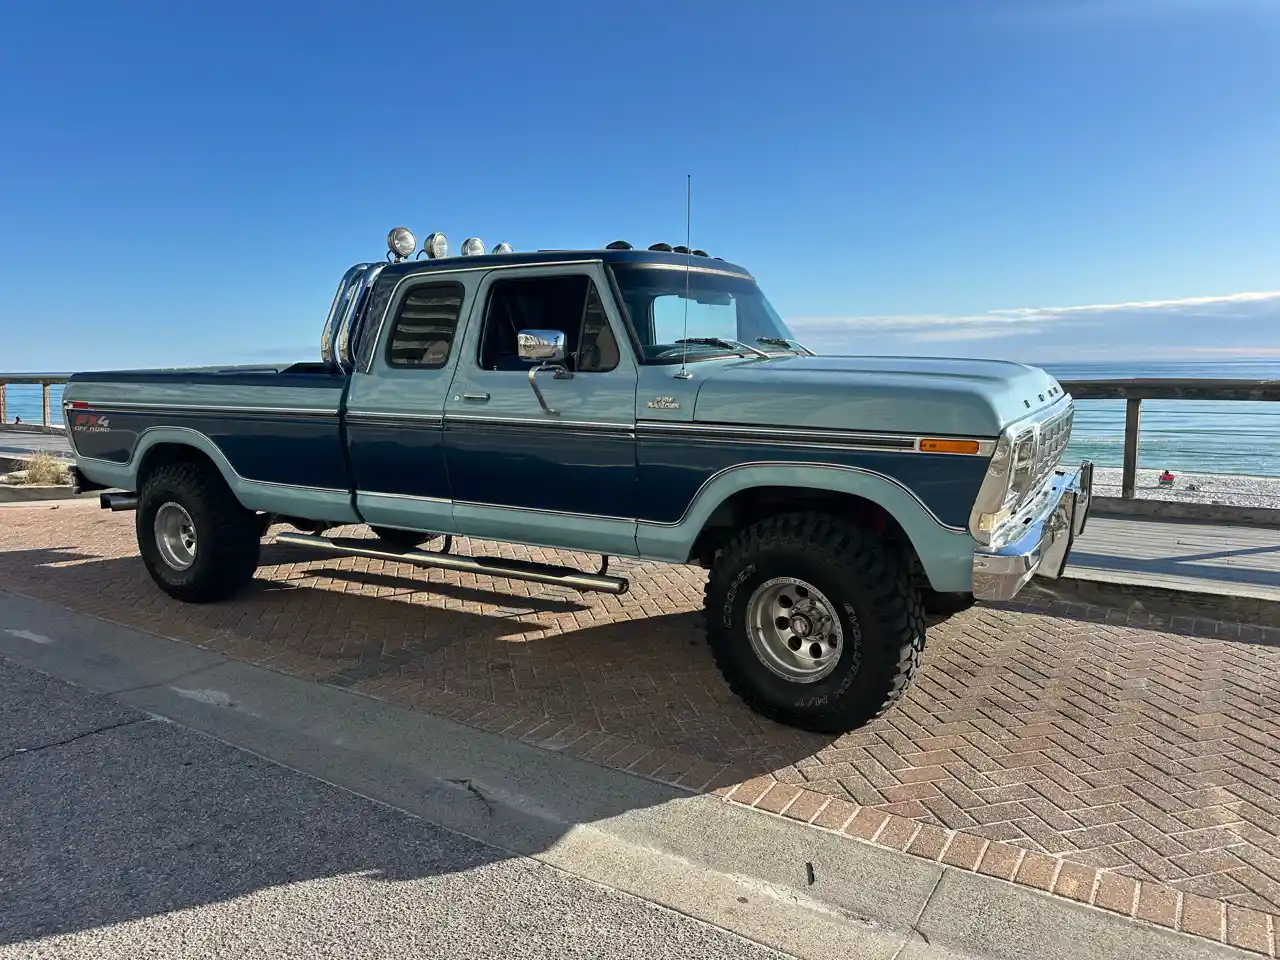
{"points": [[1145, 750]]}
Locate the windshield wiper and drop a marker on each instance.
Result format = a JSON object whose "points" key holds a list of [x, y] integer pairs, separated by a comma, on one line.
{"points": [[727, 344], [794, 345]]}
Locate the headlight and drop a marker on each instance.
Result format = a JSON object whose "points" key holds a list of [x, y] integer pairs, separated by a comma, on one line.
{"points": [[472, 247], [1008, 481], [1026, 448]]}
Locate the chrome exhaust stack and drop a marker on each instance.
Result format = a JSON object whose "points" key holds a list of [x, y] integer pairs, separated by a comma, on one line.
{"points": [[488, 566], [117, 502]]}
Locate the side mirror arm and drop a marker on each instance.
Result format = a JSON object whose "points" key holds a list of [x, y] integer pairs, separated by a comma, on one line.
{"points": [[560, 374]]}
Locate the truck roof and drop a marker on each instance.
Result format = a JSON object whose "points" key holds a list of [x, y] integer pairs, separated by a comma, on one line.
{"points": [[489, 260]]}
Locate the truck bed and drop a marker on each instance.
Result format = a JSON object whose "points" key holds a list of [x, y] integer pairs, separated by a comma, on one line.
{"points": [[272, 424]]}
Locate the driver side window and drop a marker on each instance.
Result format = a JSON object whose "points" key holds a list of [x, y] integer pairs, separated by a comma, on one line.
{"points": [[570, 304]]}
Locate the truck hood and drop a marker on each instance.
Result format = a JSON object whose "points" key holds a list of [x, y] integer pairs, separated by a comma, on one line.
{"points": [[917, 395]]}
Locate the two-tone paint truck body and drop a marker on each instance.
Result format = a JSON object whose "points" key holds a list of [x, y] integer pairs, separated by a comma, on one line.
{"points": [[629, 403]]}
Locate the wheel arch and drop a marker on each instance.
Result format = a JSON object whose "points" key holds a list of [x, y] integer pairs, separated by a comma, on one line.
{"points": [[157, 449], [750, 492]]}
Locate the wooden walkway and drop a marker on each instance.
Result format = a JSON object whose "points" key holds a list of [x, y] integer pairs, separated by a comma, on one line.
{"points": [[1235, 560]]}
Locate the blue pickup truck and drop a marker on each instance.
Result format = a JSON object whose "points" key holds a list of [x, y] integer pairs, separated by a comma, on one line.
{"points": [[624, 402]]}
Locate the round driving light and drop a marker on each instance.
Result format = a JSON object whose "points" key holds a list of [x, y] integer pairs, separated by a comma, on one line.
{"points": [[503, 248], [618, 245], [472, 247], [401, 242], [436, 246], [700, 253], [680, 249], [661, 247]]}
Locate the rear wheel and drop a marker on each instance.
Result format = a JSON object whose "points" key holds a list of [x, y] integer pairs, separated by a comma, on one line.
{"points": [[404, 539], [813, 621], [197, 542]]}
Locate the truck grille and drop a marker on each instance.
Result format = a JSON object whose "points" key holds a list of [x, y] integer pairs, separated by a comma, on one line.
{"points": [[1054, 436]]}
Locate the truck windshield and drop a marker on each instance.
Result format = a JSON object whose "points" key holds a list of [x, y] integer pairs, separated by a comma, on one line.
{"points": [[720, 307]]}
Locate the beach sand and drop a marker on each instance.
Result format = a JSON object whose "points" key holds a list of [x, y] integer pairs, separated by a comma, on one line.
{"points": [[1236, 491]]}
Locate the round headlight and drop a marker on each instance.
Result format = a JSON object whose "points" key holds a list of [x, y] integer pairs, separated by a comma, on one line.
{"points": [[661, 247], [472, 247], [436, 247], [401, 242], [503, 248]]}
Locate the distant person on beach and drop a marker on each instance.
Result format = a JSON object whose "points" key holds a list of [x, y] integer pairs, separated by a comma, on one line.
{"points": [[17, 419]]}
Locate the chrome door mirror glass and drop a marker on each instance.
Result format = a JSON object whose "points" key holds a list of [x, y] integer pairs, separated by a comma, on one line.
{"points": [[540, 346]]}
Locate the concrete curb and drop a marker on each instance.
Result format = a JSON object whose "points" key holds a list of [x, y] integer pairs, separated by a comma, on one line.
{"points": [[53, 428], [821, 877], [1182, 510], [1098, 588], [26, 494]]}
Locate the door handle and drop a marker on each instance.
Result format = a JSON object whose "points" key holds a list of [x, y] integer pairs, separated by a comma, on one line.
{"points": [[478, 397]]}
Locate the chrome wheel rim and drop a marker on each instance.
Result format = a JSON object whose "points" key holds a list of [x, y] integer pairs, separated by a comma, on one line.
{"points": [[175, 535], [794, 629]]}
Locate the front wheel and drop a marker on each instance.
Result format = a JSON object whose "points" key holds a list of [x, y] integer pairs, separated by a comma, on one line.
{"points": [[813, 621], [197, 542]]}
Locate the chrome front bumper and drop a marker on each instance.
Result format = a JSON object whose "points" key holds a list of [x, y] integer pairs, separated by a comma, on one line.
{"points": [[1044, 547]]}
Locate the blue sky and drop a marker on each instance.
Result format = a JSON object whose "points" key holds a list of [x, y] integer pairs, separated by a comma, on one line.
{"points": [[1038, 179]]}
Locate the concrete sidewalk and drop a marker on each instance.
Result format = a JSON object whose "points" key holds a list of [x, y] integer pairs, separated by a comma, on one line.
{"points": [[137, 838], [125, 836]]}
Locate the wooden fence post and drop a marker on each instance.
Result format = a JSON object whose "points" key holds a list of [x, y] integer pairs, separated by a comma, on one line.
{"points": [[44, 390], [4, 409], [1129, 482]]}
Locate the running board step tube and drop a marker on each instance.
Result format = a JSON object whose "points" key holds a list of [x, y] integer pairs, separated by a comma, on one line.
{"points": [[488, 566]]}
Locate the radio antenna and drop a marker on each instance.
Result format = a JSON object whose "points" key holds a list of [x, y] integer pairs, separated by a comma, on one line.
{"points": [[688, 267]]}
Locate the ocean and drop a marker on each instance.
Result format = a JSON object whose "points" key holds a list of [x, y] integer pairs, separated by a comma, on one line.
{"points": [[1183, 436]]}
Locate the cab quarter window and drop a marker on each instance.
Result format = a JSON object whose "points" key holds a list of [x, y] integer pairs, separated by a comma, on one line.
{"points": [[426, 323], [569, 304]]}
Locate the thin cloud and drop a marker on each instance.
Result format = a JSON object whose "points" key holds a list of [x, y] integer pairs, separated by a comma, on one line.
{"points": [[1239, 324]]}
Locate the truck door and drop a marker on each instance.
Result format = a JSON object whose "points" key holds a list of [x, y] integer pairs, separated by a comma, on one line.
{"points": [[560, 471], [395, 406]]}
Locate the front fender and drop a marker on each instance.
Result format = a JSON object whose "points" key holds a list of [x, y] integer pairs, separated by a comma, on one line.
{"points": [[946, 553]]}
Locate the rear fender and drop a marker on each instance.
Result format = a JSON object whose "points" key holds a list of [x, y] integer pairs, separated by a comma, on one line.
{"points": [[313, 503]]}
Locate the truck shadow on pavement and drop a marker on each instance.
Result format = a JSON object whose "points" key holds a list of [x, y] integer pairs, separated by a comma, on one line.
{"points": [[97, 840], [135, 833]]}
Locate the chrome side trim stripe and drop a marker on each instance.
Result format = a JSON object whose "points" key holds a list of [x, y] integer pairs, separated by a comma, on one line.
{"points": [[184, 409], [394, 419], [799, 437], [644, 429]]}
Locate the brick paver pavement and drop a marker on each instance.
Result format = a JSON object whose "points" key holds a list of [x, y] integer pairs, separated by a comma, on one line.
{"points": [[1109, 751]]}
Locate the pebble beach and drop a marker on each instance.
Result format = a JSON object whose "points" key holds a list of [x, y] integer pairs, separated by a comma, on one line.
{"points": [[1228, 489]]}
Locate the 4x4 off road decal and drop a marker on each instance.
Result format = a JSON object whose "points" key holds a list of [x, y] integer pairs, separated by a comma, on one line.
{"points": [[90, 423]]}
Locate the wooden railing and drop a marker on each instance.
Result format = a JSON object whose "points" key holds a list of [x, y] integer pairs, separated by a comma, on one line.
{"points": [[1133, 392], [44, 380]]}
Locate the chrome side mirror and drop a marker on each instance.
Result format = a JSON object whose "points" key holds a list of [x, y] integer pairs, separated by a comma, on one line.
{"points": [[546, 349], [540, 346]]}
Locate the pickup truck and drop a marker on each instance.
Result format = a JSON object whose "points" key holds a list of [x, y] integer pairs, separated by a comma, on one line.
{"points": [[644, 403]]}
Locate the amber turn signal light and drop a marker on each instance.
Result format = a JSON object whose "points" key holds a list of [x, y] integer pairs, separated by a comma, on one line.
{"points": [[949, 446]]}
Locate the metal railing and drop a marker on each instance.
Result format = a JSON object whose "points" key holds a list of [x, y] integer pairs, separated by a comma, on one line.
{"points": [[43, 380], [1134, 391]]}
